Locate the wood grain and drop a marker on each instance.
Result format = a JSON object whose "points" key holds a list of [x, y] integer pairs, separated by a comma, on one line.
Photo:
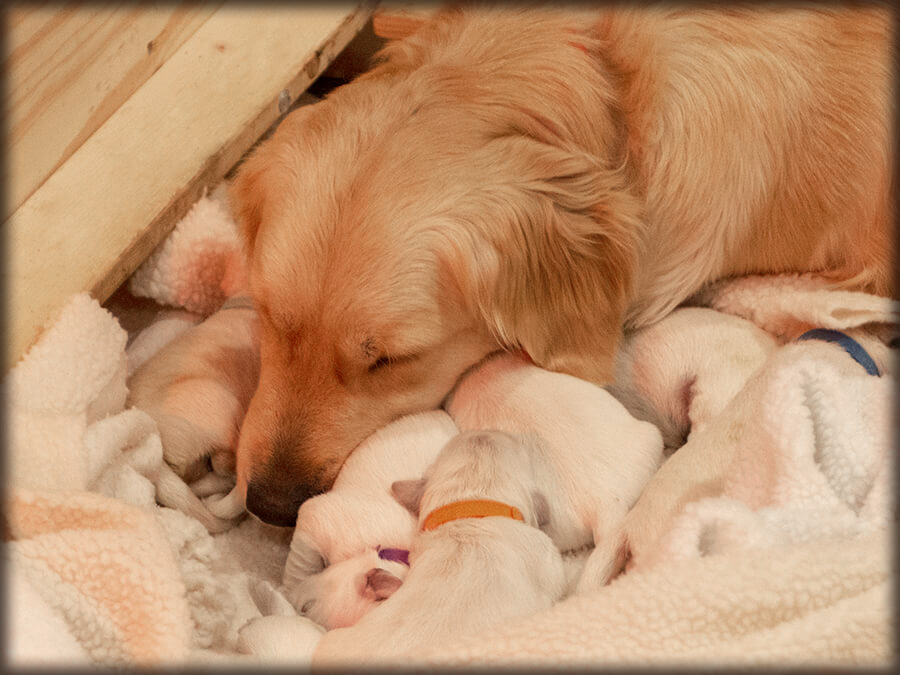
{"points": [[69, 67], [104, 210]]}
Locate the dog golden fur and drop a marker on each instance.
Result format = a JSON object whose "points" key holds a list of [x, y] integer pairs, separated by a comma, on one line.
{"points": [[543, 179]]}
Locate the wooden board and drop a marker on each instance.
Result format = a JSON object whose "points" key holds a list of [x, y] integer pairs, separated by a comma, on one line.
{"points": [[69, 67], [105, 209]]}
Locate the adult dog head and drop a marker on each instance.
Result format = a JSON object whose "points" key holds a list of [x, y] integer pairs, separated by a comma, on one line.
{"points": [[462, 197], [494, 181]]}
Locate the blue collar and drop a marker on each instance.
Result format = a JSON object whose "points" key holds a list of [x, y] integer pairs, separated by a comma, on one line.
{"points": [[847, 343]]}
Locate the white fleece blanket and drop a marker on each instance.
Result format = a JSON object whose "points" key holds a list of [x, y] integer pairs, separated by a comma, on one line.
{"points": [[790, 565]]}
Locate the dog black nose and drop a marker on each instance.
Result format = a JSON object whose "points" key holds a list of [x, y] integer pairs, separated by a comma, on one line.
{"points": [[274, 504]]}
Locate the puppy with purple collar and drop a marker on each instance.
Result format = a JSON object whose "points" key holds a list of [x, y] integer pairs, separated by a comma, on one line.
{"points": [[479, 558], [350, 546]]}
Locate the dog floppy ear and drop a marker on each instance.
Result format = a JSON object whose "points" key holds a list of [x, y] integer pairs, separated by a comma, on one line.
{"points": [[409, 493], [247, 195], [546, 259]]}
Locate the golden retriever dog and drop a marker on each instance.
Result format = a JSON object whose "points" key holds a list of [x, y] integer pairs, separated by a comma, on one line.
{"points": [[542, 179]]}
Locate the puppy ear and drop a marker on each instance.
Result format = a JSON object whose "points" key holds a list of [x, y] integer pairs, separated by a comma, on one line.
{"points": [[380, 584], [547, 258], [409, 493], [541, 509], [304, 560]]}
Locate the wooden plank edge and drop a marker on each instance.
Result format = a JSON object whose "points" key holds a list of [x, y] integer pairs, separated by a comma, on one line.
{"points": [[217, 166], [22, 331]]}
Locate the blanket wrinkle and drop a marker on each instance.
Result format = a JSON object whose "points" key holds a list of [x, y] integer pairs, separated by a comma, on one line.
{"points": [[209, 599], [767, 610], [105, 569], [80, 504]]}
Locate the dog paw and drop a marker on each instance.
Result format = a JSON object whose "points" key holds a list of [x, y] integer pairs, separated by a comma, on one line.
{"points": [[285, 640]]}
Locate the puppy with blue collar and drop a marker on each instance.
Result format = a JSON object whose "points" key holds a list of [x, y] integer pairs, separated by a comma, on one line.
{"points": [[699, 468]]}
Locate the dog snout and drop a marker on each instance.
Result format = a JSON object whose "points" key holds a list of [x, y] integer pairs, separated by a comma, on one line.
{"points": [[277, 503], [277, 487]]}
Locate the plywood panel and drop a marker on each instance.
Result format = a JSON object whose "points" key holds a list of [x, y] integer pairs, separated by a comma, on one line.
{"points": [[102, 212], [68, 67]]}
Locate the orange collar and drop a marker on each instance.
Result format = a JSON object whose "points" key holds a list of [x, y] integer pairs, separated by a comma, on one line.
{"points": [[470, 508]]}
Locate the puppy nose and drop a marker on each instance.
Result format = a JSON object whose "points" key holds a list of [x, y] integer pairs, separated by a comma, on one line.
{"points": [[276, 506]]}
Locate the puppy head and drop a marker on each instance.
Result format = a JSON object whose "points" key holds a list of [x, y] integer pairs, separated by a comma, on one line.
{"points": [[335, 526], [397, 233], [480, 464], [342, 593]]}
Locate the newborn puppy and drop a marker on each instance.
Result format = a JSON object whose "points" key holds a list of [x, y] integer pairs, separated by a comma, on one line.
{"points": [[350, 543], [478, 559], [699, 469], [597, 457], [197, 389], [681, 372], [343, 592]]}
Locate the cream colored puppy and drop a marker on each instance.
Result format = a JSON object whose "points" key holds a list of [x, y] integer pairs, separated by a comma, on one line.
{"points": [[197, 388], [597, 456], [468, 572], [700, 467], [681, 372], [348, 545]]}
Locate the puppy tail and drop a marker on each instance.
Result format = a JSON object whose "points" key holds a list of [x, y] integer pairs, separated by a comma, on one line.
{"points": [[173, 492]]}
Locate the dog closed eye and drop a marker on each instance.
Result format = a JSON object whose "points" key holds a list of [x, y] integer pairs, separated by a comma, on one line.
{"points": [[383, 362]]}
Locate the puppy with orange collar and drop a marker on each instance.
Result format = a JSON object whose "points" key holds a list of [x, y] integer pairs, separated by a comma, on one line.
{"points": [[350, 546], [597, 456], [479, 558]]}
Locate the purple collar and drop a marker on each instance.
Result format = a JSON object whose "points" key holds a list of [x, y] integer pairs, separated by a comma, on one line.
{"points": [[400, 555]]}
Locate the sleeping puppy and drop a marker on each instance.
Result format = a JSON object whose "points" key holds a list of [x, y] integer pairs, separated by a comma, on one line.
{"points": [[349, 545], [596, 458], [682, 371], [470, 194], [344, 591], [478, 559], [197, 388], [699, 469]]}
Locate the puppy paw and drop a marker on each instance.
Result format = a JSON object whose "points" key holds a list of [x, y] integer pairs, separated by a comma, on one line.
{"points": [[283, 640], [211, 483], [227, 507], [269, 600], [606, 561]]}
